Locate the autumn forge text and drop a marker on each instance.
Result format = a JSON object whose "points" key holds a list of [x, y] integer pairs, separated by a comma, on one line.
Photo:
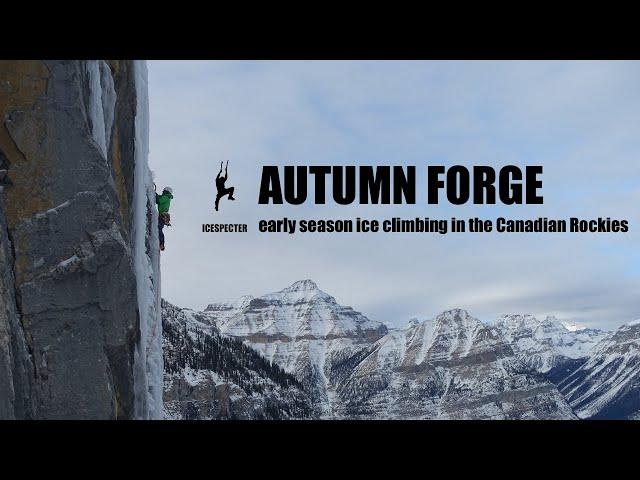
{"points": [[397, 184]]}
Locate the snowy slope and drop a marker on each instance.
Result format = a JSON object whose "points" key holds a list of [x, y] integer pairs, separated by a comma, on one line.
{"points": [[608, 384], [452, 366], [544, 344], [209, 376], [221, 312]]}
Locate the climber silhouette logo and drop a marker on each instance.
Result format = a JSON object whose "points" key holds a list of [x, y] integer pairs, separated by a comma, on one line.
{"points": [[222, 190]]}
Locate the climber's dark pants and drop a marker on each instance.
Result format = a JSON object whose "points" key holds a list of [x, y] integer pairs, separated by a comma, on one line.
{"points": [[160, 227], [222, 194]]}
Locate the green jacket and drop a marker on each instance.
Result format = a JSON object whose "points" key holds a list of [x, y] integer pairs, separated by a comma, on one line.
{"points": [[163, 201]]}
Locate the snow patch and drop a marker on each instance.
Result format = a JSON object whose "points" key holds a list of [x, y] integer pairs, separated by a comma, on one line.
{"points": [[68, 261], [53, 210]]}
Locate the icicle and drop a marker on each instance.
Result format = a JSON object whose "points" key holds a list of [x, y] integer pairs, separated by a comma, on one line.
{"points": [[148, 355], [108, 101], [102, 100]]}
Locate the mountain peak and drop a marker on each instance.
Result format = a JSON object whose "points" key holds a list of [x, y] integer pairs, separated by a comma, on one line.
{"points": [[456, 316], [455, 312], [518, 318], [413, 322], [302, 291], [302, 285]]}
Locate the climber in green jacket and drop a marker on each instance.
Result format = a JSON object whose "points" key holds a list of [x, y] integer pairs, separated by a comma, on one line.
{"points": [[164, 202]]}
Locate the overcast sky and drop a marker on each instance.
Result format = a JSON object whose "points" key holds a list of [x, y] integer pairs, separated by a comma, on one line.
{"points": [[580, 120]]}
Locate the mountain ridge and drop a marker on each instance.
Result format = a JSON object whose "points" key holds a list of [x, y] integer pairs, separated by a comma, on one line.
{"points": [[450, 366]]}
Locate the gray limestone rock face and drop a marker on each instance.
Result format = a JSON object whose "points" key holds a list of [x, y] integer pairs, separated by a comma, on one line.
{"points": [[69, 315]]}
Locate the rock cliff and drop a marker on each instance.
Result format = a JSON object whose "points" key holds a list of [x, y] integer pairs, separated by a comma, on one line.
{"points": [[79, 274]]}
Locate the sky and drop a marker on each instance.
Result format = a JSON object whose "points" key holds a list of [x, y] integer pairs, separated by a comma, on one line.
{"points": [[579, 120]]}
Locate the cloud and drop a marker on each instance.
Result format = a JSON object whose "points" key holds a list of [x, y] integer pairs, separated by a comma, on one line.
{"points": [[580, 120]]}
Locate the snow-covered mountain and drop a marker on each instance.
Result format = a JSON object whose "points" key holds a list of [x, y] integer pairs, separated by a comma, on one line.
{"points": [[545, 344], [607, 385], [211, 376], [302, 329], [300, 311], [452, 366]]}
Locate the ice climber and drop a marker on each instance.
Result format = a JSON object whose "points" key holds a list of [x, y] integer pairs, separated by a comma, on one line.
{"points": [[163, 201]]}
